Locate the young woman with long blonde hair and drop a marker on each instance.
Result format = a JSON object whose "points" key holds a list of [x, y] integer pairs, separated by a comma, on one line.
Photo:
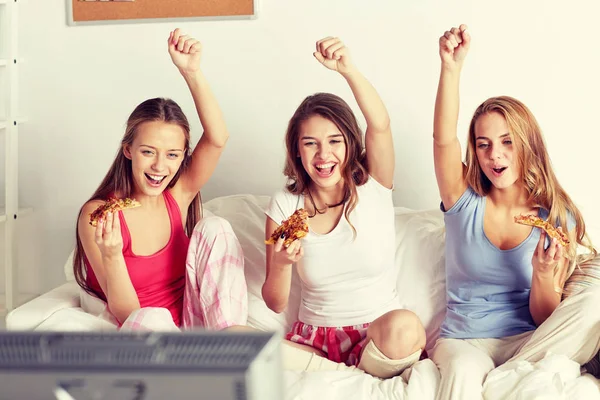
{"points": [[504, 280]]}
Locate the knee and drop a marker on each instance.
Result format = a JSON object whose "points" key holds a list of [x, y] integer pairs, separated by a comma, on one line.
{"points": [[213, 226], [398, 333], [460, 362]]}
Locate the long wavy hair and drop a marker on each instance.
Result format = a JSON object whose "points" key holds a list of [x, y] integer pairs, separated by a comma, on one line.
{"points": [[119, 179], [537, 175], [354, 170]]}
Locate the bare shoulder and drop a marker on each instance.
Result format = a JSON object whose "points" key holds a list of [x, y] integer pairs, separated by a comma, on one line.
{"points": [[182, 200]]}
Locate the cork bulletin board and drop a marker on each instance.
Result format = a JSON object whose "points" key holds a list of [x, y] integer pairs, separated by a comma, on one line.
{"points": [[85, 12]]}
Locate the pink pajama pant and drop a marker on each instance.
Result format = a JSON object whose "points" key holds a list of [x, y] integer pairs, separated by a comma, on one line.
{"points": [[216, 295]]}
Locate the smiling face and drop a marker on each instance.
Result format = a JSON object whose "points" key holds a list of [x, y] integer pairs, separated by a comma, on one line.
{"points": [[156, 155], [322, 149], [495, 151]]}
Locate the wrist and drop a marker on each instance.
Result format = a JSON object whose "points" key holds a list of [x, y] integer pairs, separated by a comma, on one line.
{"points": [[110, 259], [350, 73], [451, 68], [191, 75], [543, 277], [281, 267]]}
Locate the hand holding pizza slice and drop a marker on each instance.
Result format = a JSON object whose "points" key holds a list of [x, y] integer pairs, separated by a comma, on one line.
{"points": [[293, 228], [111, 205], [551, 230]]}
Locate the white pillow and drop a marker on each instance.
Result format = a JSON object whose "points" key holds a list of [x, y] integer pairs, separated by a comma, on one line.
{"points": [[419, 256], [68, 268], [420, 237]]}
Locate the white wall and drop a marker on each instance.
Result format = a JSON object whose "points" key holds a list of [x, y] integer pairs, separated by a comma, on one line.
{"points": [[80, 83]]}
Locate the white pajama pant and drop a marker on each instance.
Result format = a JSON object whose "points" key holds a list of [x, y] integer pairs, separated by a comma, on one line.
{"points": [[572, 330]]}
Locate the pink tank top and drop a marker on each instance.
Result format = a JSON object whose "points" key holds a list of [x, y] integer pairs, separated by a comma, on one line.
{"points": [[158, 279]]}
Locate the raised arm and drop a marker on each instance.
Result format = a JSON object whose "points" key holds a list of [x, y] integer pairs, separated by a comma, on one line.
{"points": [[185, 53], [278, 280], [333, 54], [103, 246], [449, 169]]}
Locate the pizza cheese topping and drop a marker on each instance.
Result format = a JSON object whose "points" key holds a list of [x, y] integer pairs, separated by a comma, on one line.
{"points": [[295, 227], [533, 220], [111, 205]]}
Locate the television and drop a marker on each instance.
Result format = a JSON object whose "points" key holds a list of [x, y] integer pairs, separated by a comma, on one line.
{"points": [[141, 365]]}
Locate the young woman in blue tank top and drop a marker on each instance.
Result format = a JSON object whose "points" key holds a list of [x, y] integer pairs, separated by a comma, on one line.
{"points": [[504, 280]]}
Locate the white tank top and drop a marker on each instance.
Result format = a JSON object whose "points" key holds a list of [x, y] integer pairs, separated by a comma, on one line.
{"points": [[347, 281]]}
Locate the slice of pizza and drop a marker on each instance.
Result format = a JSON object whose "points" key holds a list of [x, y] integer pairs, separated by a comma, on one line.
{"points": [[111, 205], [295, 227], [533, 220]]}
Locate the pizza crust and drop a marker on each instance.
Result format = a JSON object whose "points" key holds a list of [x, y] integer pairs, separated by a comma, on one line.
{"points": [[552, 231]]}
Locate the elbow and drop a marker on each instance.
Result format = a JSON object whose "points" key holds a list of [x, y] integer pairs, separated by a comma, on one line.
{"points": [[538, 320], [279, 308], [274, 304], [383, 126], [540, 316], [221, 141], [440, 142], [121, 313]]}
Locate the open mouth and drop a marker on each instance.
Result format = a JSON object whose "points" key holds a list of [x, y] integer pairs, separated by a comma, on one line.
{"points": [[325, 170], [155, 180], [499, 171]]}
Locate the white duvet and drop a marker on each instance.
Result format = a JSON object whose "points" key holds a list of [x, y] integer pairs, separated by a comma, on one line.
{"points": [[553, 378], [421, 287], [419, 383]]}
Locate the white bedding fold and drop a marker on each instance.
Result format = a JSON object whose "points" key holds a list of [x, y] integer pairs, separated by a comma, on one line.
{"points": [[554, 377], [420, 382]]}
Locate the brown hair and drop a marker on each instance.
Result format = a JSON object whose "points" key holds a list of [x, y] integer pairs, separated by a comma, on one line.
{"points": [[537, 175], [119, 179], [354, 170]]}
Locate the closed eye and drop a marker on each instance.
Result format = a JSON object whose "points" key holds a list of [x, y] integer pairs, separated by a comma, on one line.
{"points": [[335, 141], [309, 143], [147, 152]]}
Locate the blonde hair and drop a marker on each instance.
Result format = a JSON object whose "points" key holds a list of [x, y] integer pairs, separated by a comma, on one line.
{"points": [[354, 171], [537, 175]]}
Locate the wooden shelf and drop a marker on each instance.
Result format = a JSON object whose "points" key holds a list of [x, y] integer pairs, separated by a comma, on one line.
{"points": [[22, 212]]}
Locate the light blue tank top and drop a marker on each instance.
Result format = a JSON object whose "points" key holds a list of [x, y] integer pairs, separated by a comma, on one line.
{"points": [[487, 288]]}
